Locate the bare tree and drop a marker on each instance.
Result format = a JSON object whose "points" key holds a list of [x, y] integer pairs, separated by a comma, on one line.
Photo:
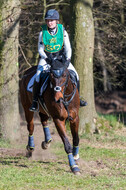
{"points": [[83, 46], [110, 46], [9, 25]]}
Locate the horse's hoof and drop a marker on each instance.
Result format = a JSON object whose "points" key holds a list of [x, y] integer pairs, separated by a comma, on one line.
{"points": [[28, 154], [75, 170], [76, 173], [30, 149], [45, 145]]}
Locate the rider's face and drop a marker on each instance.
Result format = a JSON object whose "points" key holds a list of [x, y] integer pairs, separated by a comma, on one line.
{"points": [[51, 23]]}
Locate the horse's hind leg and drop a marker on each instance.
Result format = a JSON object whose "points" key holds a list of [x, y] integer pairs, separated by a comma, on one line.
{"points": [[30, 127], [60, 125], [48, 138], [74, 125]]}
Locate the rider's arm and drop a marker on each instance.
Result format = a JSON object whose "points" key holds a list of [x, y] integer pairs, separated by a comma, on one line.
{"points": [[67, 46], [41, 47]]}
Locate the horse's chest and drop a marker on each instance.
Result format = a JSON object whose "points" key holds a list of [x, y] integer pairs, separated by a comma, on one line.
{"points": [[58, 110]]}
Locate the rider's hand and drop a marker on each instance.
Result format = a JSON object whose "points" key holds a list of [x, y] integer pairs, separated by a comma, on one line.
{"points": [[46, 68], [48, 60]]}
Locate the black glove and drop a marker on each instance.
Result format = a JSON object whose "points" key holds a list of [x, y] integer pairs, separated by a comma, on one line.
{"points": [[48, 60]]}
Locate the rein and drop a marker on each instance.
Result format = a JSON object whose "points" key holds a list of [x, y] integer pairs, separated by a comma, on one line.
{"points": [[66, 96], [72, 94], [66, 103]]}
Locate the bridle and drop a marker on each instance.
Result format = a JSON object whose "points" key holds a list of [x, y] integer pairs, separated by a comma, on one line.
{"points": [[57, 70], [59, 88], [67, 98]]}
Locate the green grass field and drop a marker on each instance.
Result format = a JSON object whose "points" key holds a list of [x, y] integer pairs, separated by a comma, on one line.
{"points": [[102, 163]]}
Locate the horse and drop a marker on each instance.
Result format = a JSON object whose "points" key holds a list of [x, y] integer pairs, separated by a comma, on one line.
{"points": [[60, 101]]}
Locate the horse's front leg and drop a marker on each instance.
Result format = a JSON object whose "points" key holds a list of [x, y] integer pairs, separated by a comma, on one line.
{"points": [[60, 125], [30, 127], [44, 120], [74, 125]]}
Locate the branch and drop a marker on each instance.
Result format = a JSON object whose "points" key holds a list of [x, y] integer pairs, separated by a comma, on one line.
{"points": [[60, 2], [24, 56], [57, 4]]}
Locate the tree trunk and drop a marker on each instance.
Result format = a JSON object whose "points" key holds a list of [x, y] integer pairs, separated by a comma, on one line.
{"points": [[9, 111], [82, 30]]}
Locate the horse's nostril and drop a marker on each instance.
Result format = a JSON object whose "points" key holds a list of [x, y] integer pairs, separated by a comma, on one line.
{"points": [[59, 100]]}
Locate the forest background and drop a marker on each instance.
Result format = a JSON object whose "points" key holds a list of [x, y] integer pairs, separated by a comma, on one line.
{"points": [[109, 68], [102, 153], [109, 49]]}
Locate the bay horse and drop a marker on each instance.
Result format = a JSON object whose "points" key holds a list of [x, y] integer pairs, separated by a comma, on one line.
{"points": [[61, 100]]}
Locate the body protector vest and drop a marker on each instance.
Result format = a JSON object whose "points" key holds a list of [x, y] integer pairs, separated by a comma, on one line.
{"points": [[52, 43]]}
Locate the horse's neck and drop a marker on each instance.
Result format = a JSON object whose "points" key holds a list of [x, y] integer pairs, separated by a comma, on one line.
{"points": [[70, 87]]}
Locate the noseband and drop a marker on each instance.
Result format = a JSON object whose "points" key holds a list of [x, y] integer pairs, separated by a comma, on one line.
{"points": [[57, 88], [65, 83]]}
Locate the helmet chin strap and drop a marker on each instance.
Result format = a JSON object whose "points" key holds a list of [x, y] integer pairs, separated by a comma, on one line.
{"points": [[52, 30]]}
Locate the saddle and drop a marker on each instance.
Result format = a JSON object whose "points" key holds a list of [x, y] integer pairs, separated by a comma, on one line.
{"points": [[43, 83]]}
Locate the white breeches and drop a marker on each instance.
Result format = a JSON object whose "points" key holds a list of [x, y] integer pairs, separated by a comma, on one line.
{"points": [[71, 67], [43, 66]]}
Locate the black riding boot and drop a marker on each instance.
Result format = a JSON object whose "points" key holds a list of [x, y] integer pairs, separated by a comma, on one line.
{"points": [[82, 102], [36, 89]]}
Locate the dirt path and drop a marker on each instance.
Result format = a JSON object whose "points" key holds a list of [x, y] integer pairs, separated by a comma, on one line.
{"points": [[39, 153]]}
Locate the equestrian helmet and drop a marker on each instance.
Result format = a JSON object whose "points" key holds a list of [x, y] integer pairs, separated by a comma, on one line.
{"points": [[52, 14]]}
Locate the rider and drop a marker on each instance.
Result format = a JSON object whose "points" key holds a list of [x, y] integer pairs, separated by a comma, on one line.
{"points": [[52, 39]]}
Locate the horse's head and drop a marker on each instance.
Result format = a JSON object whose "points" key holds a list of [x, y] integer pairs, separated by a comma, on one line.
{"points": [[59, 79]]}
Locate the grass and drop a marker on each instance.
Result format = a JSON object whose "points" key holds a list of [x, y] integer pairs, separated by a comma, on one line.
{"points": [[102, 163], [93, 154], [39, 176], [4, 143], [107, 122], [20, 173]]}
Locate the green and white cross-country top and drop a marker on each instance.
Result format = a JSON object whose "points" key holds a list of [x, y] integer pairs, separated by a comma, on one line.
{"points": [[52, 42], [49, 42]]}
